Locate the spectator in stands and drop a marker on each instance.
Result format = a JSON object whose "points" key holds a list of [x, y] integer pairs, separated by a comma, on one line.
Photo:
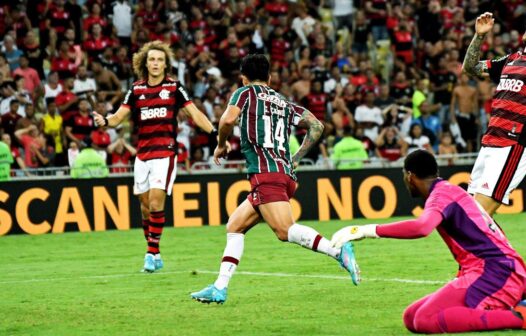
{"points": [[317, 101], [303, 23], [464, 111], [59, 19], [377, 12], [100, 140], [447, 146], [52, 126], [443, 83], [390, 145], [122, 21], [89, 164], [79, 126], [30, 75], [22, 95], [8, 93], [5, 70], [417, 140], [121, 154], [349, 153], [67, 101], [420, 102], [301, 88], [11, 52], [10, 119], [183, 158], [107, 82], [84, 86], [63, 63], [52, 88], [15, 152], [37, 153], [6, 160], [369, 116]]}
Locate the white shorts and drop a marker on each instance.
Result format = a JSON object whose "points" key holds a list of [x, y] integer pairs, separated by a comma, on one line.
{"points": [[498, 171], [154, 174]]}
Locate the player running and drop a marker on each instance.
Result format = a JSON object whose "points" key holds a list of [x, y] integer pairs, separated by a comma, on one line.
{"points": [[266, 119], [501, 163], [492, 275], [154, 101]]}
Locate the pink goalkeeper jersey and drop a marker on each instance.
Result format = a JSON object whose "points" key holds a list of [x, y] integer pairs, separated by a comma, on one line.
{"points": [[490, 267], [470, 233]]}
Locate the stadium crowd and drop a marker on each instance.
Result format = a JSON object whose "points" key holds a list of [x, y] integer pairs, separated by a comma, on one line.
{"points": [[384, 74]]}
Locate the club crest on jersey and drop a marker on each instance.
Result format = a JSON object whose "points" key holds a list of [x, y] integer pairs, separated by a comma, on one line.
{"points": [[507, 84], [164, 94], [158, 112]]}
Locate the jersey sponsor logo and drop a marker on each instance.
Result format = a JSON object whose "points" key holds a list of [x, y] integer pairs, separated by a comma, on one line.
{"points": [[164, 94], [272, 99], [141, 87], [507, 84], [158, 112], [169, 84]]}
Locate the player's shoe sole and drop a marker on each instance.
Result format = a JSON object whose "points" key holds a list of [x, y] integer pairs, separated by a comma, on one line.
{"points": [[348, 261], [209, 295]]}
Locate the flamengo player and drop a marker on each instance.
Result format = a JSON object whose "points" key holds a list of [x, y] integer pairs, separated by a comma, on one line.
{"points": [[492, 274], [154, 101], [266, 118], [501, 163]]}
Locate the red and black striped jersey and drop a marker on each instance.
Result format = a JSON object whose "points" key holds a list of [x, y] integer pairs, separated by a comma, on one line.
{"points": [[508, 108], [154, 109]]}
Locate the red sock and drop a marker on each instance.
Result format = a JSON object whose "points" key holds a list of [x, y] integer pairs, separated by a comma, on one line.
{"points": [[155, 231], [146, 228]]}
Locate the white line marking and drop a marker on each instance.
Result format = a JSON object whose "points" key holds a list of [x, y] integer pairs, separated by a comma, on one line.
{"points": [[263, 274]]}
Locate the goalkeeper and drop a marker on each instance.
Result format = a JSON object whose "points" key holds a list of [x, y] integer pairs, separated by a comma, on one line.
{"points": [[492, 274]]}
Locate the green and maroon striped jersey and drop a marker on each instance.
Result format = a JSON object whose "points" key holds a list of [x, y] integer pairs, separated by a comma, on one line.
{"points": [[266, 121]]}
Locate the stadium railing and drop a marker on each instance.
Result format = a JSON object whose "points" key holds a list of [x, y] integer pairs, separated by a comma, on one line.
{"points": [[233, 166]]}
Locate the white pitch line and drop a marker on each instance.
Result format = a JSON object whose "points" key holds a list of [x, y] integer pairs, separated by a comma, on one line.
{"points": [[263, 274]]}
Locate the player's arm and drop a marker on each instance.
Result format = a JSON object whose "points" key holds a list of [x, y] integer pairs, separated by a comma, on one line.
{"points": [[407, 229], [198, 117], [314, 132], [472, 64], [227, 123], [113, 120]]}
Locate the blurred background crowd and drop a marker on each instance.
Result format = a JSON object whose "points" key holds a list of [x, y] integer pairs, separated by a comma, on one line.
{"points": [[384, 76]]}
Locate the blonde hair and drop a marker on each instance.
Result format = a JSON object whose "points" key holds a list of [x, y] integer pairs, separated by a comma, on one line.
{"points": [[139, 58]]}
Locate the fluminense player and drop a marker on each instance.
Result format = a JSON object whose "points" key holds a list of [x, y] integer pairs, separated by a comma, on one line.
{"points": [[154, 101], [501, 163], [266, 118], [492, 275]]}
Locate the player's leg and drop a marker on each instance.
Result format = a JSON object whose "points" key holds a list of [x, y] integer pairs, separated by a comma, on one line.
{"points": [[410, 312], [488, 203], [242, 220], [144, 199], [279, 217], [161, 180], [445, 311]]}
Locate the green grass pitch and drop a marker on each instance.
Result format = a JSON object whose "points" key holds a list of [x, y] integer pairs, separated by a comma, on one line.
{"points": [[90, 284]]}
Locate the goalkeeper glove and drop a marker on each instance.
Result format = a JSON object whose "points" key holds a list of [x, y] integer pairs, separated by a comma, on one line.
{"points": [[353, 232]]}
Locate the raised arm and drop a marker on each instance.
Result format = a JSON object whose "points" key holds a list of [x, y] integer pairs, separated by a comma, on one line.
{"points": [[472, 64], [314, 132]]}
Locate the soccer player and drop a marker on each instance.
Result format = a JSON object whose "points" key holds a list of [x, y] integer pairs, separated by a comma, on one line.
{"points": [[501, 163], [154, 101], [492, 274], [266, 119]]}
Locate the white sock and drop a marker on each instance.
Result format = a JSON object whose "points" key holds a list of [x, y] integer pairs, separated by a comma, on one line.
{"points": [[235, 243], [311, 239]]}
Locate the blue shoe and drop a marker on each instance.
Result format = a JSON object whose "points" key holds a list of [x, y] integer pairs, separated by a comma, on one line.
{"points": [[149, 263], [348, 261], [158, 263], [210, 294]]}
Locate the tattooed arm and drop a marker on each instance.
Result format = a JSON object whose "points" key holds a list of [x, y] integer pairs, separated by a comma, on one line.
{"points": [[472, 64], [314, 132]]}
